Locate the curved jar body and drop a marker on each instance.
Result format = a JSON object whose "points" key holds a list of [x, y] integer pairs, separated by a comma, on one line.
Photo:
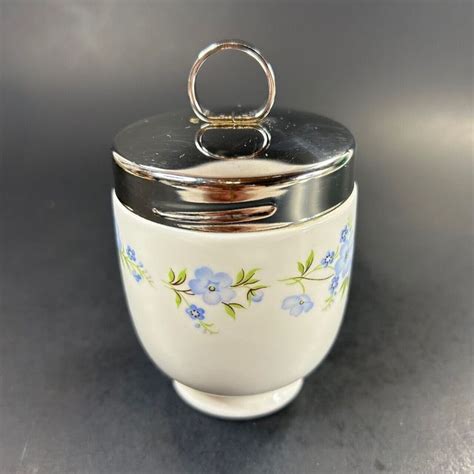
{"points": [[237, 313]]}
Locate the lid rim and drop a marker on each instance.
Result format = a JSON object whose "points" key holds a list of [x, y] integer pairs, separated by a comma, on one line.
{"points": [[146, 173], [306, 170]]}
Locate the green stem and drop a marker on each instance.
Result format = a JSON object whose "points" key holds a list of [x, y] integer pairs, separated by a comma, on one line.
{"points": [[188, 291], [242, 283], [260, 287], [297, 279], [177, 292], [317, 279], [208, 328], [181, 293], [133, 267]]}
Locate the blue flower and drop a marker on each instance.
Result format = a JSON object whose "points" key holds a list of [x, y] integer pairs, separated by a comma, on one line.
{"points": [[257, 296], [297, 304], [214, 287], [345, 234], [131, 254], [195, 313], [334, 284], [328, 259], [137, 276], [344, 262]]}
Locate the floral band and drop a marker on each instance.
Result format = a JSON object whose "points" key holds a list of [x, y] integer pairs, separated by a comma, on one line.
{"points": [[207, 288]]}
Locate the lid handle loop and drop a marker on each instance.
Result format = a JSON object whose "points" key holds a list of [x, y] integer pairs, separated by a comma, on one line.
{"points": [[251, 117]]}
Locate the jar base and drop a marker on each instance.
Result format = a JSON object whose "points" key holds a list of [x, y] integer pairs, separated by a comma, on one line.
{"points": [[239, 407]]}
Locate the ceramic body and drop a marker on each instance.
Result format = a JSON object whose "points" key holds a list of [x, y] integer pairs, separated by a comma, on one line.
{"points": [[237, 314]]}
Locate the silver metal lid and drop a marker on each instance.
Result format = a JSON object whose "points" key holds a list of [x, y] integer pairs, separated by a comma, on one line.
{"points": [[233, 173]]}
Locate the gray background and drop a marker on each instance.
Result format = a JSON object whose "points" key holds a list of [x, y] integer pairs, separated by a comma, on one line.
{"points": [[78, 394]]}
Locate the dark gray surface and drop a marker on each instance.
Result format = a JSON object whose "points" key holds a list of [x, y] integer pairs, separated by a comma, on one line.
{"points": [[77, 393]]}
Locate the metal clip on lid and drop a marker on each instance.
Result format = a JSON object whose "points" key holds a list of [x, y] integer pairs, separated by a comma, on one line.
{"points": [[233, 173], [252, 117]]}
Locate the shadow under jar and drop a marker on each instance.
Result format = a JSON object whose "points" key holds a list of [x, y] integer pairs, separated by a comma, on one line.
{"points": [[236, 237]]}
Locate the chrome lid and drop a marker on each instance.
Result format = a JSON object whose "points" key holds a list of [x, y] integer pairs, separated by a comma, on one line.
{"points": [[233, 172]]}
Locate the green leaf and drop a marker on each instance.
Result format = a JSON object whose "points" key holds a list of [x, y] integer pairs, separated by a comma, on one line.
{"points": [[329, 301], [237, 305], [148, 279], [309, 260], [250, 295], [252, 281], [252, 272], [181, 277], [208, 328], [344, 286], [229, 310], [171, 276], [300, 267], [240, 276], [249, 276], [178, 300]]}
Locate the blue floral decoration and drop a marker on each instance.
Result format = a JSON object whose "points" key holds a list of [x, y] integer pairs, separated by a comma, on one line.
{"points": [[328, 258], [345, 234], [344, 262], [131, 254], [128, 258], [195, 313], [257, 296], [335, 266], [297, 304], [137, 276], [334, 284], [214, 288]]}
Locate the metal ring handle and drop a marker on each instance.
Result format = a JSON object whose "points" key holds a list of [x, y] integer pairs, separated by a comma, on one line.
{"points": [[250, 117], [199, 140]]}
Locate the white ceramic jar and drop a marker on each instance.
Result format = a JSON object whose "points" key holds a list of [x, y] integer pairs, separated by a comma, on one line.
{"points": [[236, 242]]}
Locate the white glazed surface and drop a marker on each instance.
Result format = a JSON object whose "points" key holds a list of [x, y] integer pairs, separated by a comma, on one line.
{"points": [[239, 407], [264, 347]]}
